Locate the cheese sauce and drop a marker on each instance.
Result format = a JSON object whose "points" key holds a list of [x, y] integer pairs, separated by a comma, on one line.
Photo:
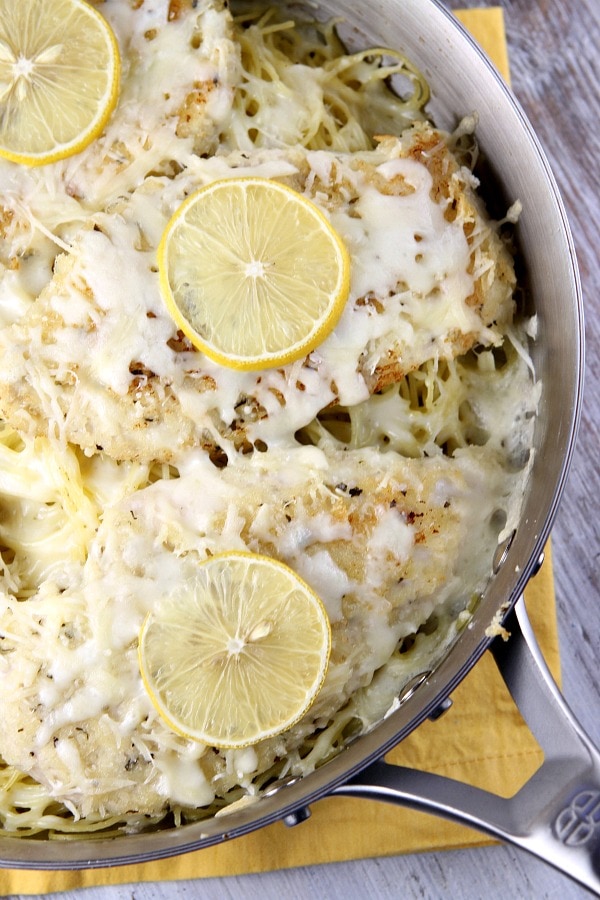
{"points": [[384, 468]]}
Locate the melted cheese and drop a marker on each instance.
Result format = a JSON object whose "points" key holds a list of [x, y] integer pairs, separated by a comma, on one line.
{"points": [[369, 552], [127, 457], [102, 318]]}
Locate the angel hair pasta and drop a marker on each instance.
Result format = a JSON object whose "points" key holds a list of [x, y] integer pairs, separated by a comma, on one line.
{"points": [[382, 467]]}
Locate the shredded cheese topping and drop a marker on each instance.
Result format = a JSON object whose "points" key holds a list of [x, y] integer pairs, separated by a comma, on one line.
{"points": [[383, 468]]}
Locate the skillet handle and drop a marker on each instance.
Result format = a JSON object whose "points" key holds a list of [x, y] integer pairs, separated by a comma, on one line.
{"points": [[556, 814]]}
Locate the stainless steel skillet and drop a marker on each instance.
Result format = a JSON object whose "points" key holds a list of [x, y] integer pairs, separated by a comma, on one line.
{"points": [[566, 822]]}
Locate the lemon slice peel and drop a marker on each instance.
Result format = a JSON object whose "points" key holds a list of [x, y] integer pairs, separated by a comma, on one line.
{"points": [[238, 656], [253, 272]]}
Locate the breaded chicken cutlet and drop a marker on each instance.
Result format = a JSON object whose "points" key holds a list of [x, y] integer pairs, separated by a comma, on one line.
{"points": [[180, 67], [98, 361], [388, 540]]}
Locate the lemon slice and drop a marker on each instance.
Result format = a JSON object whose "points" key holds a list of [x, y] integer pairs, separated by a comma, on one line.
{"points": [[237, 656], [253, 273], [59, 78]]}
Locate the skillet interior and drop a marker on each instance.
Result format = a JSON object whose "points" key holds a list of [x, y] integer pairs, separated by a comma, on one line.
{"points": [[461, 82]]}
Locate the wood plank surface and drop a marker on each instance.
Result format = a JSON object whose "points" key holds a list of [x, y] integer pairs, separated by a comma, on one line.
{"points": [[554, 50]]}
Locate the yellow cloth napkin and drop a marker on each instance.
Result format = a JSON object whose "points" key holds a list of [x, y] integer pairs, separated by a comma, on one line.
{"points": [[496, 751]]}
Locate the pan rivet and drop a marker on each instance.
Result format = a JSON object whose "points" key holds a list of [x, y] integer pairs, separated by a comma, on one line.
{"points": [[276, 786], [502, 552], [296, 817], [538, 565], [441, 709], [411, 686]]}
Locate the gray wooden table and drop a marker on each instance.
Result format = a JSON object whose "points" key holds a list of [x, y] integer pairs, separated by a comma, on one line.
{"points": [[554, 48]]}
